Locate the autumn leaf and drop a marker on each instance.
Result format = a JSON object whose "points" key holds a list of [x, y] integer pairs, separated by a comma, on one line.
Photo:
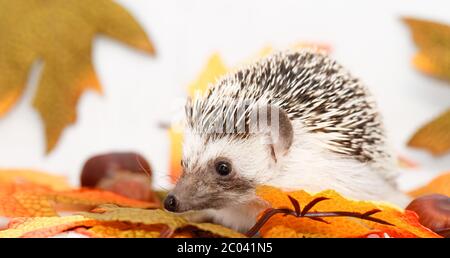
{"points": [[112, 221], [405, 222], [24, 200], [171, 223], [119, 230], [439, 185], [51, 226], [60, 33], [176, 152], [13, 176], [433, 41], [44, 226], [31, 200], [434, 136]]}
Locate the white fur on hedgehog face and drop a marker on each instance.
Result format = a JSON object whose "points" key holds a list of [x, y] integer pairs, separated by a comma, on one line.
{"points": [[250, 161], [250, 158]]}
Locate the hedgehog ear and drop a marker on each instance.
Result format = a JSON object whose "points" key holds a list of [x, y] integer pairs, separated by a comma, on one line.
{"points": [[276, 127]]}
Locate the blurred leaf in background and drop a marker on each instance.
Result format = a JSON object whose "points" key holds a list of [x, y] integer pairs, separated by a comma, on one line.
{"points": [[60, 33], [434, 136], [433, 58], [433, 42]]}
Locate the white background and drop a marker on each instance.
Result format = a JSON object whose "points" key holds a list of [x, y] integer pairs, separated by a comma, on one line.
{"points": [[366, 36]]}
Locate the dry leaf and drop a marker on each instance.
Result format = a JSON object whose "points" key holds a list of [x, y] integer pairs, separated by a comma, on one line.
{"points": [[434, 136], [13, 176], [51, 226], [119, 230], [60, 33], [406, 222], [31, 200], [176, 153], [439, 185], [433, 41], [171, 223], [43, 226], [111, 221], [24, 200]]}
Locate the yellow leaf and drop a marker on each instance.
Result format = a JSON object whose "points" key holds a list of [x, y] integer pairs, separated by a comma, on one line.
{"points": [[43, 226], [119, 230], [61, 34], [213, 70], [433, 41], [176, 153], [175, 223], [57, 183], [434, 136]]}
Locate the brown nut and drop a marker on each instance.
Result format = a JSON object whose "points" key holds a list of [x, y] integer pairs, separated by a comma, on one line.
{"points": [[434, 212], [107, 165], [127, 174]]}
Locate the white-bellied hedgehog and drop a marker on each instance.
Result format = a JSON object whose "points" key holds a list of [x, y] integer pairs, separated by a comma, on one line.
{"points": [[294, 120]]}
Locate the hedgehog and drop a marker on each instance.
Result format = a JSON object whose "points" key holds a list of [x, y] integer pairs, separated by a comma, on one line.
{"points": [[293, 120]]}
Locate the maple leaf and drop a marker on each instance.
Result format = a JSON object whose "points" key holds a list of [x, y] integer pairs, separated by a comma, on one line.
{"points": [[434, 136], [404, 223], [31, 200], [119, 230], [433, 41], [60, 33], [24, 200], [170, 223], [44, 226], [54, 182], [439, 185]]}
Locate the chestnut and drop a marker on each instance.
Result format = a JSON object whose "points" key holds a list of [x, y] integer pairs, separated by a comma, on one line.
{"points": [[124, 173], [434, 212]]}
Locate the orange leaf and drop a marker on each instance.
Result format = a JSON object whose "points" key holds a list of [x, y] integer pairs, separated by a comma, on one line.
{"points": [[35, 177], [406, 222], [439, 185], [44, 226], [434, 136], [32, 29], [154, 220], [29, 200], [93, 197], [24, 200], [176, 140]]}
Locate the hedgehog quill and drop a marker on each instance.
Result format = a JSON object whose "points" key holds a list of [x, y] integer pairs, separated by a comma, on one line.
{"points": [[294, 120]]}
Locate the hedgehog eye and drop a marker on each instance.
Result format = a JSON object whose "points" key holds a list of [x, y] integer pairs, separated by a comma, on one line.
{"points": [[223, 168]]}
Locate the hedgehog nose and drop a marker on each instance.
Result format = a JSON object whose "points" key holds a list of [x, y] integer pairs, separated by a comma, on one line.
{"points": [[171, 203]]}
